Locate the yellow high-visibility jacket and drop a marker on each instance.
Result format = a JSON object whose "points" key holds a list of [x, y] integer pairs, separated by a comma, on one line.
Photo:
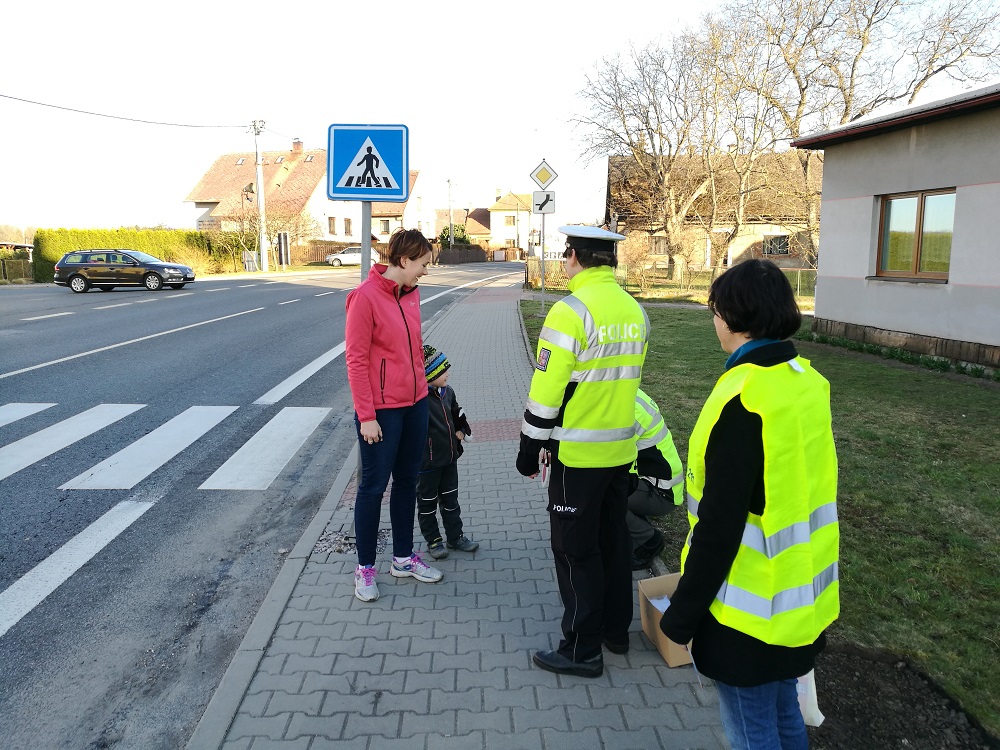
{"points": [[652, 432], [783, 587], [588, 366]]}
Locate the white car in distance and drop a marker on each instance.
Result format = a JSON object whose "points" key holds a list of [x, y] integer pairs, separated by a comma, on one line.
{"points": [[349, 256]]}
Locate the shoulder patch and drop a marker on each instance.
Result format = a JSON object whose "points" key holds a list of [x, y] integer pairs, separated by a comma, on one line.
{"points": [[543, 359]]}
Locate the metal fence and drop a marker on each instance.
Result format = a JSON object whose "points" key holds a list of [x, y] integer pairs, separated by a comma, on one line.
{"points": [[662, 278], [15, 270]]}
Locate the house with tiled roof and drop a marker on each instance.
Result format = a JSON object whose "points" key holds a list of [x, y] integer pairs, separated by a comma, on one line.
{"points": [[475, 220], [510, 221], [295, 186], [908, 243]]}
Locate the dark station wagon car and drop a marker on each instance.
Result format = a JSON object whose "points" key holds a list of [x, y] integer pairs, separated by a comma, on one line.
{"points": [[106, 269]]}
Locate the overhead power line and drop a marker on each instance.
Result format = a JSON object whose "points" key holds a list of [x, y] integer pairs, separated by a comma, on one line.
{"points": [[118, 117]]}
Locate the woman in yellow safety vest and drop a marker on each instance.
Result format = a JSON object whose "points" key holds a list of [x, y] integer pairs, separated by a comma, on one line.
{"points": [[759, 580]]}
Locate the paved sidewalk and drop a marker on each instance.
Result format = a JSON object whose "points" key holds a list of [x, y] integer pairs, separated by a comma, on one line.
{"points": [[447, 665]]}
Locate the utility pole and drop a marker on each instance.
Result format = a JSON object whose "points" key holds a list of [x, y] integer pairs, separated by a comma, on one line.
{"points": [[258, 127], [451, 223]]}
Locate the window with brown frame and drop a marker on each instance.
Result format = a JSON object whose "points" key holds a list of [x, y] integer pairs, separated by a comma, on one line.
{"points": [[915, 234], [332, 221]]}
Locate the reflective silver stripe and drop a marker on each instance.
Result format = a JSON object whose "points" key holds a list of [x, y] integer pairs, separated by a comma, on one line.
{"points": [[645, 318], [560, 339], [665, 484], [648, 407], [537, 433], [540, 410], [797, 533], [578, 435], [774, 545], [589, 327], [615, 349], [661, 433], [783, 601], [601, 374]]}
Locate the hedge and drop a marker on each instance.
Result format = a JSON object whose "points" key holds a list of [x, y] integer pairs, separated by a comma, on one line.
{"points": [[168, 244]]}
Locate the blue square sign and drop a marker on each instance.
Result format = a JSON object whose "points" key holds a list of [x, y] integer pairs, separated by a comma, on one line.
{"points": [[368, 163]]}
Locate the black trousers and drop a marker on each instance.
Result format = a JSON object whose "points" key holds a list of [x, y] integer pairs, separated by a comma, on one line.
{"points": [[438, 488], [593, 555]]}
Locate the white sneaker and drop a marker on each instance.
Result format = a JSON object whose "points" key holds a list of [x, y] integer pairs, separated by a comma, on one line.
{"points": [[365, 587], [416, 568]]}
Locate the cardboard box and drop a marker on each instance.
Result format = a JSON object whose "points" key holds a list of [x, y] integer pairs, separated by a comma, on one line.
{"points": [[653, 588]]}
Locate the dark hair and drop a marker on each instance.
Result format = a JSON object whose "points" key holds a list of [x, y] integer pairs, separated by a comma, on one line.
{"points": [[754, 297], [407, 243], [590, 258]]}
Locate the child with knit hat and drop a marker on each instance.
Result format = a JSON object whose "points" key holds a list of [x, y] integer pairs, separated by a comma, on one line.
{"points": [[437, 483]]}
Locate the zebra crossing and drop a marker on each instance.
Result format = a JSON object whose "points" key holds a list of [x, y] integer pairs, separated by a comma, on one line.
{"points": [[254, 466]]}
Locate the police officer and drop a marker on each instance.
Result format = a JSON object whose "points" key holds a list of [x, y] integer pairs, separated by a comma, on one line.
{"points": [[580, 416], [657, 481]]}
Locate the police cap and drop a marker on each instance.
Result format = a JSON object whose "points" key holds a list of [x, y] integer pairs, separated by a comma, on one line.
{"points": [[595, 239]]}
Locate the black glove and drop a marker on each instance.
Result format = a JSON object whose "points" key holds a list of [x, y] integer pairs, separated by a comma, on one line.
{"points": [[527, 456]]}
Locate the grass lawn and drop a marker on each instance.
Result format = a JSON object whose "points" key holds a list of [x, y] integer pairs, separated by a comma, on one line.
{"points": [[919, 498]]}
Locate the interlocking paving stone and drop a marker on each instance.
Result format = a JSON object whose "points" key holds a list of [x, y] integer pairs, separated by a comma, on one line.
{"points": [[448, 665]]}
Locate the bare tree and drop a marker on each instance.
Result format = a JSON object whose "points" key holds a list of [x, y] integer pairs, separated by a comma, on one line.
{"points": [[641, 110]]}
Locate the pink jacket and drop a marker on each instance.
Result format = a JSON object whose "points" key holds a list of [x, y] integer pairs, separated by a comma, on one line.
{"points": [[384, 348]]}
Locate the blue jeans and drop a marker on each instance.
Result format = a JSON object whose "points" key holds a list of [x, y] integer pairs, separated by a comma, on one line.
{"points": [[764, 717], [399, 453]]}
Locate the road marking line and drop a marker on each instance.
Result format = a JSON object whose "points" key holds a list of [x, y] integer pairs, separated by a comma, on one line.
{"points": [[288, 302], [26, 451], [30, 590], [108, 307], [262, 457], [13, 412], [53, 315], [125, 343], [247, 286], [296, 379], [220, 289], [271, 282], [323, 294], [134, 463], [183, 294]]}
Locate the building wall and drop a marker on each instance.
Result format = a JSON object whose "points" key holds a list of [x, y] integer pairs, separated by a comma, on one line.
{"points": [[322, 209], [958, 153], [500, 233]]}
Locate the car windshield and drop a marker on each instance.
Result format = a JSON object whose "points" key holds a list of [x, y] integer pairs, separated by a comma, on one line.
{"points": [[143, 257]]}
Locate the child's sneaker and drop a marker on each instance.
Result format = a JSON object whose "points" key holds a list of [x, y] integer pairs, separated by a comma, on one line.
{"points": [[437, 549], [464, 543], [415, 567], [365, 587]]}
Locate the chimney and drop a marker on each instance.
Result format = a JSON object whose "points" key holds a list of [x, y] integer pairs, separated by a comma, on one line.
{"points": [[498, 194], [296, 146]]}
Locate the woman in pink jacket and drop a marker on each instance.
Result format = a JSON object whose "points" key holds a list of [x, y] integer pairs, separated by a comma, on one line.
{"points": [[385, 369]]}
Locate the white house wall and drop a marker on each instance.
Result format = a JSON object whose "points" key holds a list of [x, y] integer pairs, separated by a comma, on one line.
{"points": [[322, 209], [958, 153]]}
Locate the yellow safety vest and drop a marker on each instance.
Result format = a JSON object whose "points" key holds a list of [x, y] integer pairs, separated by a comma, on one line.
{"points": [[596, 339], [783, 587], [650, 431]]}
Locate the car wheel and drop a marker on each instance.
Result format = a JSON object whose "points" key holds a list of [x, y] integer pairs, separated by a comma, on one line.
{"points": [[79, 284], [176, 286], [152, 281], [335, 262], [105, 288]]}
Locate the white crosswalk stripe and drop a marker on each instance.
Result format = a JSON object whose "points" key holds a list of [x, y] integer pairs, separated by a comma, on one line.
{"points": [[262, 457], [131, 465], [13, 412], [23, 453], [30, 590]]}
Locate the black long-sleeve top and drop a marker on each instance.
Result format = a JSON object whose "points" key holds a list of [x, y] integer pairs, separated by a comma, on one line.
{"points": [[734, 487]]}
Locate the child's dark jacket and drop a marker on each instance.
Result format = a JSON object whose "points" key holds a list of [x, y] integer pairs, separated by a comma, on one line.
{"points": [[445, 417]]}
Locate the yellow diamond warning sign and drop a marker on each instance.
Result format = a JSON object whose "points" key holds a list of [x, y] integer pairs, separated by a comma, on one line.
{"points": [[544, 175]]}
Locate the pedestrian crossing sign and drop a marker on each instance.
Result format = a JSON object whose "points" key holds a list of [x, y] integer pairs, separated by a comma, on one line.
{"points": [[368, 163]]}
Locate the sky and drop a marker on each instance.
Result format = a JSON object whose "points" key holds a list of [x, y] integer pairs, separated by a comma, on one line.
{"points": [[487, 90]]}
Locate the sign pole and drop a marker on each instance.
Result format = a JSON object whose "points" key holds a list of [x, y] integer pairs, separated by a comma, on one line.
{"points": [[543, 264], [366, 238]]}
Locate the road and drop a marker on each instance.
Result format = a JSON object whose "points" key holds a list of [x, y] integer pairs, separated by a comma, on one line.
{"points": [[160, 452]]}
